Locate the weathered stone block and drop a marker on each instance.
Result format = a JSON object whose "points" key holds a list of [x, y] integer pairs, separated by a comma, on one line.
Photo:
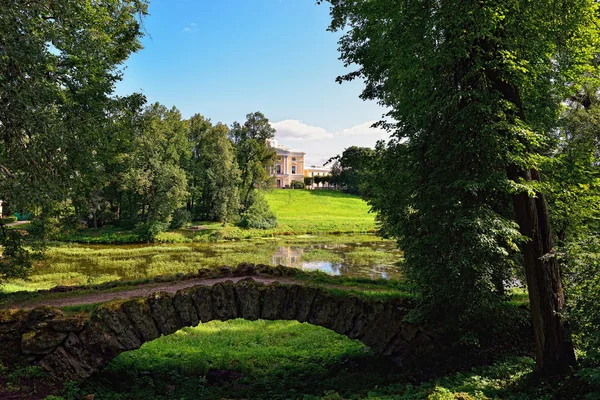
{"points": [[39, 317], [61, 364], [348, 309], [202, 298], [185, 308], [387, 324], [223, 300], [87, 361], [164, 313], [69, 323], [99, 339], [41, 342], [306, 298], [244, 269], [365, 318], [324, 309], [140, 315], [116, 320], [274, 298], [247, 293], [12, 321], [290, 308]]}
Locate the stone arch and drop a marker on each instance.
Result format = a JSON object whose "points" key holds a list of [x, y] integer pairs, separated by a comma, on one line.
{"points": [[75, 347]]}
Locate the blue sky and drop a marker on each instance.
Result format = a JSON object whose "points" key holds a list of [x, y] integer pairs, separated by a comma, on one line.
{"points": [[227, 58]]}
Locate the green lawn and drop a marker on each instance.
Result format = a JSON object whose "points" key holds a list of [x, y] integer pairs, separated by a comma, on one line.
{"points": [[289, 360], [320, 211]]}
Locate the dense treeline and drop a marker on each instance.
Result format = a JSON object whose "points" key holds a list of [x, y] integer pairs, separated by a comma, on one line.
{"points": [[167, 170], [72, 153]]}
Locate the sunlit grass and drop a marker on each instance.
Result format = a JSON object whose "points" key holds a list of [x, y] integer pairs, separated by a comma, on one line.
{"points": [[73, 265], [290, 360]]}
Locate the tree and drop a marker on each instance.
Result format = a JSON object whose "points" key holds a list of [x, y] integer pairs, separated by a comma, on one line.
{"points": [[54, 91], [473, 88], [154, 176], [350, 166], [216, 174], [254, 154]]}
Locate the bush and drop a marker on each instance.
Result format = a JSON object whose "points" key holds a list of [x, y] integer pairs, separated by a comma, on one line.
{"points": [[147, 231], [9, 220], [308, 180], [259, 215], [298, 185], [181, 217]]}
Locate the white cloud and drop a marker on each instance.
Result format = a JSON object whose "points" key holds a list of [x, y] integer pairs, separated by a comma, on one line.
{"points": [[191, 27], [292, 129], [319, 144]]}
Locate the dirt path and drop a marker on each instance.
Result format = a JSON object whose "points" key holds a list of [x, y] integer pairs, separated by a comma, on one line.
{"points": [[139, 291]]}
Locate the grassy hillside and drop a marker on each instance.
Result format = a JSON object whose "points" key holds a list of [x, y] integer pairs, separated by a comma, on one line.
{"points": [[298, 212], [320, 211]]}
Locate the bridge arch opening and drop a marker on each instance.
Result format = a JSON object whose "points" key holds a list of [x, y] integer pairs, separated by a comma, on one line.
{"points": [[75, 347]]}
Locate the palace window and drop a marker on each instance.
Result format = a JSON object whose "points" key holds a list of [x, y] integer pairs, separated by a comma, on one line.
{"points": [[293, 169], [279, 168]]}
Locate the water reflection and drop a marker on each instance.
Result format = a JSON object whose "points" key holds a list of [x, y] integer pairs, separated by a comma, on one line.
{"points": [[363, 257], [372, 267]]}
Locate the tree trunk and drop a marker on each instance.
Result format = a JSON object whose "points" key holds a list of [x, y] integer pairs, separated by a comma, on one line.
{"points": [[554, 350]]}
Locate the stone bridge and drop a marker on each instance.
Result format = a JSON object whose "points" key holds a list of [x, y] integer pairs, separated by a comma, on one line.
{"points": [[74, 346]]}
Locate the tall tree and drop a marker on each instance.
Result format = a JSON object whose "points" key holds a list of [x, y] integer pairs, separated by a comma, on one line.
{"points": [[474, 87], [59, 62], [216, 174], [154, 172], [254, 154]]}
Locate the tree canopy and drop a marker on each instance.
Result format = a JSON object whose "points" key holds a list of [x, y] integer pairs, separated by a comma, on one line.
{"points": [[474, 91]]}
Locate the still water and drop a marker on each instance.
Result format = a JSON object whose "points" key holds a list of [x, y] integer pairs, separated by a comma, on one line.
{"points": [[364, 256]]}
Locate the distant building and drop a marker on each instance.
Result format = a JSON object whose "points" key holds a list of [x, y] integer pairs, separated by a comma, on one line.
{"points": [[289, 167], [311, 172]]}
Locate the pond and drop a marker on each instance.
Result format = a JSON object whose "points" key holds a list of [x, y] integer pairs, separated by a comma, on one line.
{"points": [[365, 256]]}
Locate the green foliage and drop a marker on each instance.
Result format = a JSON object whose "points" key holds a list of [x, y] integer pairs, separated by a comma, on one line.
{"points": [[154, 178], [57, 94], [298, 185], [16, 260], [259, 214], [214, 171], [8, 220], [148, 231], [308, 181], [181, 217], [350, 167], [473, 88], [254, 155]]}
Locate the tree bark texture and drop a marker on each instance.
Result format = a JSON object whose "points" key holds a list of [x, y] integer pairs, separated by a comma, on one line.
{"points": [[554, 349]]}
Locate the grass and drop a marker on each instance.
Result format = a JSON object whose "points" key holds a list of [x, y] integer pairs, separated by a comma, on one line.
{"points": [[290, 360], [72, 265], [298, 212], [319, 211]]}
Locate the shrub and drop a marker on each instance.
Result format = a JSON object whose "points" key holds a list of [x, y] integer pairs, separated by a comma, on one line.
{"points": [[259, 215], [298, 185], [147, 231], [9, 219], [308, 180], [181, 217]]}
